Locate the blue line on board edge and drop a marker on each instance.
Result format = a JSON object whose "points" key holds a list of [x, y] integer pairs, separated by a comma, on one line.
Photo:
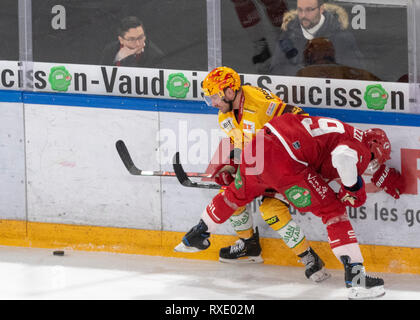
{"points": [[189, 106]]}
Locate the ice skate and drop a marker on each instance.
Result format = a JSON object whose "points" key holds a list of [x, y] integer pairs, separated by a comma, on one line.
{"points": [[315, 270], [360, 285], [243, 251], [195, 240]]}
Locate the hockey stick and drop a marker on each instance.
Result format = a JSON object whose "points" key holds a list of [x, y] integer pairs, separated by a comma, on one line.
{"points": [[184, 179], [186, 182], [131, 167]]}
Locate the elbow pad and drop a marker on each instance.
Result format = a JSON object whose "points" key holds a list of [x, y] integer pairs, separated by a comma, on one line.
{"points": [[345, 159]]}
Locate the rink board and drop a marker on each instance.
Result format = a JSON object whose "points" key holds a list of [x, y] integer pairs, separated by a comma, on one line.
{"points": [[12, 162], [75, 182], [74, 174], [168, 83]]}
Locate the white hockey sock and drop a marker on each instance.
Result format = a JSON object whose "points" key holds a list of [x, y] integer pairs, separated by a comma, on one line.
{"points": [[242, 221], [352, 250], [211, 225]]}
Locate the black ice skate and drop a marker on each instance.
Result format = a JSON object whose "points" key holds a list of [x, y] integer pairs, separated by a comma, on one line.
{"points": [[195, 240], [361, 286], [314, 266], [243, 251]]}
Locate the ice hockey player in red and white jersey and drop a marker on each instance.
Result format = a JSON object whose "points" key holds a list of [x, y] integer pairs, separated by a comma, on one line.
{"points": [[312, 150]]}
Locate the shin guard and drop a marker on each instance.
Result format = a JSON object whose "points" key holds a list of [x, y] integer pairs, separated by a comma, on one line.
{"points": [[342, 238]]}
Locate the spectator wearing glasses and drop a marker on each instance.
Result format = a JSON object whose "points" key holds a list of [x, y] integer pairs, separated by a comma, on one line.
{"points": [[131, 49], [314, 19]]}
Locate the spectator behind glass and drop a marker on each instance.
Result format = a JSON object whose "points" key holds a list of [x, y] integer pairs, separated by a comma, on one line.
{"points": [[319, 60], [313, 19], [130, 50]]}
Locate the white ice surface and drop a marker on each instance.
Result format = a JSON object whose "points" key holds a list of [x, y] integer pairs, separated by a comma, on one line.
{"points": [[35, 274]]}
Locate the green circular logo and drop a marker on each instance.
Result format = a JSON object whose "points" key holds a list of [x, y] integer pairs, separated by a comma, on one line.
{"points": [[238, 179], [300, 197], [376, 97], [178, 85], [59, 78]]}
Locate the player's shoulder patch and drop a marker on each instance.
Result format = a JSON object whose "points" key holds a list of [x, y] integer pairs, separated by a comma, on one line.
{"points": [[270, 109]]}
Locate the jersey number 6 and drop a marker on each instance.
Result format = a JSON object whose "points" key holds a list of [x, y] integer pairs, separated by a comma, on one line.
{"points": [[323, 126]]}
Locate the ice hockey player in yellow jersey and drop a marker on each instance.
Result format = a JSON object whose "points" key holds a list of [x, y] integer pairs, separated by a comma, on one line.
{"points": [[243, 110]]}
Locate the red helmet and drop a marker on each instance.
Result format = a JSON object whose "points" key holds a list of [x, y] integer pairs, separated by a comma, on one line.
{"points": [[378, 144]]}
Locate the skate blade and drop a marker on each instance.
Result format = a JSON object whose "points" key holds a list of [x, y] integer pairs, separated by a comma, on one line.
{"points": [[242, 260], [359, 293], [320, 276], [183, 248]]}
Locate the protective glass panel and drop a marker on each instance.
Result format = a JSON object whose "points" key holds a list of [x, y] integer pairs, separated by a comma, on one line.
{"points": [[250, 29], [9, 30], [341, 39], [414, 78], [159, 34], [417, 40]]}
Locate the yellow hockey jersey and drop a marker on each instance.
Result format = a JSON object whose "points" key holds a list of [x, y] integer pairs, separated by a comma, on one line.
{"points": [[258, 106]]}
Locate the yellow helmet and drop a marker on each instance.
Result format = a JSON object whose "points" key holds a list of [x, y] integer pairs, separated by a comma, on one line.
{"points": [[219, 79]]}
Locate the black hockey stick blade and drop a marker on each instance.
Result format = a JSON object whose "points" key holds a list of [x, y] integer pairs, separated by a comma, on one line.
{"points": [[185, 180], [126, 158], [131, 167]]}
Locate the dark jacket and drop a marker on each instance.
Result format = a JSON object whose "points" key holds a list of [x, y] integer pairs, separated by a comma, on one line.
{"points": [[150, 58], [288, 56]]}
